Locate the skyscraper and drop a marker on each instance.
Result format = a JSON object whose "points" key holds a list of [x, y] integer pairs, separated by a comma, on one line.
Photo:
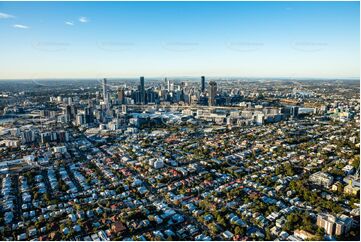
{"points": [[168, 85], [124, 108], [121, 95], [105, 91], [294, 111], [142, 90], [203, 84], [68, 113], [89, 117], [212, 92]]}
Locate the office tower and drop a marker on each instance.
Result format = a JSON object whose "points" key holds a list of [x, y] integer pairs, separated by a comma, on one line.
{"points": [[150, 96], [80, 119], [98, 114], [121, 95], [73, 111], [52, 114], [168, 85], [63, 136], [260, 119], [142, 90], [48, 137], [203, 84], [43, 113], [89, 117], [212, 92], [124, 109], [27, 136], [167, 82], [294, 111], [105, 91], [97, 95], [67, 112], [70, 100]]}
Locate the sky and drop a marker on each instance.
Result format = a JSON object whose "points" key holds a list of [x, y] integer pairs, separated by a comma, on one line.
{"points": [[158, 39]]}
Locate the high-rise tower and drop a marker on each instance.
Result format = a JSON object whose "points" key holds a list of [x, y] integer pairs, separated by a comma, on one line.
{"points": [[105, 92], [212, 92], [121, 95], [203, 84], [142, 90], [168, 85]]}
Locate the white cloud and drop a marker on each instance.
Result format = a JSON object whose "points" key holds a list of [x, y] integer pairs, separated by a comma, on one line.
{"points": [[20, 26], [69, 23], [5, 15], [83, 19]]}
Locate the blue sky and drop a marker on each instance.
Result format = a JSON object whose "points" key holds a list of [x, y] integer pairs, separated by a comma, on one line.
{"points": [[129, 39]]}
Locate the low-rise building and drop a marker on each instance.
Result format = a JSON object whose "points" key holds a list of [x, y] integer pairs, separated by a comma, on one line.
{"points": [[321, 178], [334, 225]]}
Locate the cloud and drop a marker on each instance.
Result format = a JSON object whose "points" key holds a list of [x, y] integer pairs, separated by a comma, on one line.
{"points": [[83, 19], [5, 16], [20, 26], [69, 23]]}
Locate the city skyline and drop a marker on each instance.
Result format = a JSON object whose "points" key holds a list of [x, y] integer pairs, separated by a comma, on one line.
{"points": [[167, 160], [180, 121], [258, 39]]}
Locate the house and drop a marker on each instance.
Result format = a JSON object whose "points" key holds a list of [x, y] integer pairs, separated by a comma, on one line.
{"points": [[90, 213], [280, 222], [158, 234], [66, 231], [22, 236], [77, 228], [275, 230], [42, 229], [95, 237], [336, 186], [32, 232], [102, 235], [98, 210], [72, 217], [208, 218], [203, 237], [118, 227], [227, 235], [178, 218], [348, 169], [284, 235], [302, 234], [292, 238], [158, 219], [192, 229], [8, 217], [351, 188], [169, 233], [87, 238]]}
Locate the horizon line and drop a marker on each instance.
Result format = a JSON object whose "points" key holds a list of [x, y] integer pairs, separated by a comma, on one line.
{"points": [[181, 77]]}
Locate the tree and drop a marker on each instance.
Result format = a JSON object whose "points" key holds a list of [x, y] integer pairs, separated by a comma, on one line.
{"points": [[268, 235], [289, 170], [356, 161], [221, 220], [46, 198], [213, 228], [240, 231]]}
